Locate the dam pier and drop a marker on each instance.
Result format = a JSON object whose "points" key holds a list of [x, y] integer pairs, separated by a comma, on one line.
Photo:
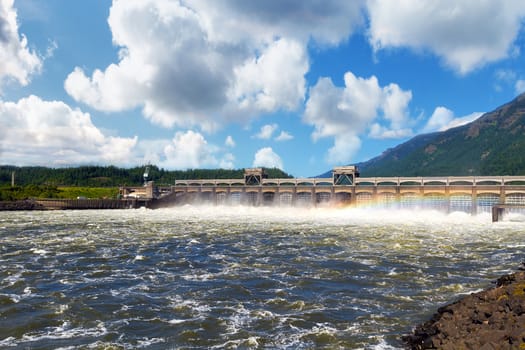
{"points": [[471, 194]]}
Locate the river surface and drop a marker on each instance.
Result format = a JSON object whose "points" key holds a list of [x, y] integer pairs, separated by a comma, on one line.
{"points": [[241, 277]]}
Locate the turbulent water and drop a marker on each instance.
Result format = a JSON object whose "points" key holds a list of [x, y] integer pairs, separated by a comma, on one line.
{"points": [[250, 278]]}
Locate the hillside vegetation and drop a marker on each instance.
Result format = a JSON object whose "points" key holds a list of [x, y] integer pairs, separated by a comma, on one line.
{"points": [[8, 193], [98, 181], [494, 144], [110, 176]]}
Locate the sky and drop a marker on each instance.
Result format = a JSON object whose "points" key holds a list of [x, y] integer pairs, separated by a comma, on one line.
{"points": [[302, 85]]}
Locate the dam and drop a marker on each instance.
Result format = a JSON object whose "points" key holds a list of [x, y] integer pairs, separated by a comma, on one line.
{"points": [[472, 194]]}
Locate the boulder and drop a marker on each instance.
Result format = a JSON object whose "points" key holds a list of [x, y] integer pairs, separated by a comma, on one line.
{"points": [[490, 319]]}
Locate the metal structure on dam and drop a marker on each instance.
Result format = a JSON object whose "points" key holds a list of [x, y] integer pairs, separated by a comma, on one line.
{"points": [[471, 194]]}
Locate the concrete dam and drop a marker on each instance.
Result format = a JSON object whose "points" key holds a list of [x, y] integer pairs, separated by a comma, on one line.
{"points": [[472, 194]]}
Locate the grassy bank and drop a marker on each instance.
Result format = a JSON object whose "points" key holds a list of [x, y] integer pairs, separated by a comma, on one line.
{"points": [[35, 191]]}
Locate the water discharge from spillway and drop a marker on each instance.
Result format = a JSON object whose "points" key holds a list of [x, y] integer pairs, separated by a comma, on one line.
{"points": [[240, 276]]}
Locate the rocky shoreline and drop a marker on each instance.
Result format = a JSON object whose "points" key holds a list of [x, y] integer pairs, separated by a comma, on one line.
{"points": [[79, 204], [490, 319], [20, 205]]}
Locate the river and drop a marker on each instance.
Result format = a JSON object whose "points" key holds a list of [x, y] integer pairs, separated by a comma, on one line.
{"points": [[198, 277]]}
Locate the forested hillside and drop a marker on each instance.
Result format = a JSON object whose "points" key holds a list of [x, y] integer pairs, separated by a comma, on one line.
{"points": [[494, 144], [110, 176]]}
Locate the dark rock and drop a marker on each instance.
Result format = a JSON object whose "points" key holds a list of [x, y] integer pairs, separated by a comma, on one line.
{"points": [[20, 205], [491, 319]]}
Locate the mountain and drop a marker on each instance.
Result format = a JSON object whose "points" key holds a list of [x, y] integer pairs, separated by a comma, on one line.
{"points": [[493, 144]]}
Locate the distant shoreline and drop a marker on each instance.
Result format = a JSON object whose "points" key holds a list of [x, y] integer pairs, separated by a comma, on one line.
{"points": [[72, 204], [20, 205]]}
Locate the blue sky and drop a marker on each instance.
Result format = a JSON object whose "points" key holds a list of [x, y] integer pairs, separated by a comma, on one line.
{"points": [[301, 85]]}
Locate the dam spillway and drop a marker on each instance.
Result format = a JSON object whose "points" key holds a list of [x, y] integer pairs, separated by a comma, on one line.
{"points": [[470, 194]]}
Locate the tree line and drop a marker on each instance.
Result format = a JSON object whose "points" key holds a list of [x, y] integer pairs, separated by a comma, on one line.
{"points": [[111, 176]]}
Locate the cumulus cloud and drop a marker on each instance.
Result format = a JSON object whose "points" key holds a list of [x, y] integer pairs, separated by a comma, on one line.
{"points": [[186, 150], [273, 80], [377, 131], [189, 150], [327, 22], [229, 141], [466, 34], [267, 131], [266, 157], [346, 112], [227, 161], [17, 61], [345, 146], [284, 136], [50, 133], [201, 63], [443, 119]]}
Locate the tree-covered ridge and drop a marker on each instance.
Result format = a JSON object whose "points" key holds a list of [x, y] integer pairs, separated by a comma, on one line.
{"points": [[494, 144], [111, 176]]}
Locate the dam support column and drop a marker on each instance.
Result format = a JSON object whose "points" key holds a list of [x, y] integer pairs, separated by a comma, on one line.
{"points": [[497, 213], [448, 198], [474, 208], [260, 199]]}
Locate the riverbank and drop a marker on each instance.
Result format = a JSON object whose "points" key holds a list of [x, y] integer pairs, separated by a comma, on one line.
{"points": [[490, 319], [20, 205], [69, 204]]}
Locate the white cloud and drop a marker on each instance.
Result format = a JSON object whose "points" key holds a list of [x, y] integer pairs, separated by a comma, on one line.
{"points": [[519, 86], [394, 106], [377, 131], [189, 150], [462, 120], [327, 22], [50, 133], [344, 148], [284, 136], [466, 34], [346, 112], [267, 131], [186, 150], [167, 66], [229, 141], [17, 61], [201, 63], [273, 80], [443, 119], [227, 161], [266, 157]]}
